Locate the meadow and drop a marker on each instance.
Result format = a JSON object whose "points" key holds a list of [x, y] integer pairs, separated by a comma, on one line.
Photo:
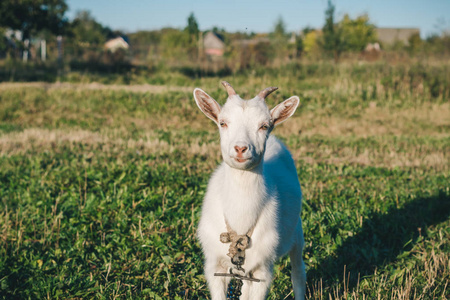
{"points": [[101, 183]]}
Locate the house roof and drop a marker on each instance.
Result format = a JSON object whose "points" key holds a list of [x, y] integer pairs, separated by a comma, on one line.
{"points": [[213, 40], [116, 43]]}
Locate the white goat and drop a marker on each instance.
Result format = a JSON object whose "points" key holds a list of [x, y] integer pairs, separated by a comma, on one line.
{"points": [[255, 193]]}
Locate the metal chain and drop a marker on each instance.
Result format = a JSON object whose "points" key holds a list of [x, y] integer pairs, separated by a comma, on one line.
{"points": [[234, 289], [237, 254]]}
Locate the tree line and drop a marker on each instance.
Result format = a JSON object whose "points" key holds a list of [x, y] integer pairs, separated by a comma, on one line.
{"points": [[84, 38]]}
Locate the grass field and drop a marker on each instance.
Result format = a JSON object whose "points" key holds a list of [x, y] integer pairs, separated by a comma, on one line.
{"points": [[101, 185]]}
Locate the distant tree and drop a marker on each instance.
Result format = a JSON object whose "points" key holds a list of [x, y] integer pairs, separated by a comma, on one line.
{"points": [[86, 29], [307, 30], [414, 43], [175, 45], [145, 44], [357, 33], [241, 35], [437, 43], [279, 28], [192, 32], [3, 43], [310, 43], [332, 42], [192, 26], [279, 40], [144, 37], [300, 42], [31, 16], [86, 35], [299, 46]]}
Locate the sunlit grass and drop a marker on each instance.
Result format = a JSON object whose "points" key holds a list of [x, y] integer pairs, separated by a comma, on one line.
{"points": [[101, 187]]}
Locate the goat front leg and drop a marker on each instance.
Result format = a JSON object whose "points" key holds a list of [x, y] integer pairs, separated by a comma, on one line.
{"points": [[217, 284], [258, 290]]}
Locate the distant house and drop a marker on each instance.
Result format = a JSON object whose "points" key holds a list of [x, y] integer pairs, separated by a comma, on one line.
{"points": [[213, 44], [117, 43], [371, 52], [293, 38], [13, 35], [389, 36], [375, 47]]}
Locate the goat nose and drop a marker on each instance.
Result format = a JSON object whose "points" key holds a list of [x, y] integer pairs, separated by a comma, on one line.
{"points": [[240, 150]]}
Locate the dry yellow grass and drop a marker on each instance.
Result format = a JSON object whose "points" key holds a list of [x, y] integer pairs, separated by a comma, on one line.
{"points": [[111, 141], [141, 88], [374, 121], [382, 124]]}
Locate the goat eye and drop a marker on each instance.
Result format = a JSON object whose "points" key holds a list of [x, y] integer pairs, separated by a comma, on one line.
{"points": [[264, 127], [223, 124]]}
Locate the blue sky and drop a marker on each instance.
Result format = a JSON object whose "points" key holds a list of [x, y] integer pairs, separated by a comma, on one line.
{"points": [[260, 16]]}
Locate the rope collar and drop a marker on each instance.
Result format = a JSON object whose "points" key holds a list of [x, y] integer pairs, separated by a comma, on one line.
{"points": [[238, 244]]}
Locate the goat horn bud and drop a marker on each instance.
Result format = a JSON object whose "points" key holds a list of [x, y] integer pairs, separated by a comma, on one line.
{"points": [[267, 91], [229, 88]]}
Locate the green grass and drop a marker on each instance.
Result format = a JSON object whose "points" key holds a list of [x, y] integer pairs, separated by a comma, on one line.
{"points": [[101, 189]]}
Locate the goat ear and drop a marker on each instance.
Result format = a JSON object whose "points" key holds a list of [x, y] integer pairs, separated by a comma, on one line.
{"points": [[284, 110], [207, 105]]}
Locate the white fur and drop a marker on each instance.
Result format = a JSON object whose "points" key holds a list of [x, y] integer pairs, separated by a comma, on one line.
{"points": [[262, 188]]}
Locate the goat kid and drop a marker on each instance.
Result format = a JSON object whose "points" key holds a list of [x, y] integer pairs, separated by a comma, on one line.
{"points": [[255, 192]]}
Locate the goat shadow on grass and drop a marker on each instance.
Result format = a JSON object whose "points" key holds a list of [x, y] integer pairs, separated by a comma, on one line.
{"points": [[382, 238]]}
